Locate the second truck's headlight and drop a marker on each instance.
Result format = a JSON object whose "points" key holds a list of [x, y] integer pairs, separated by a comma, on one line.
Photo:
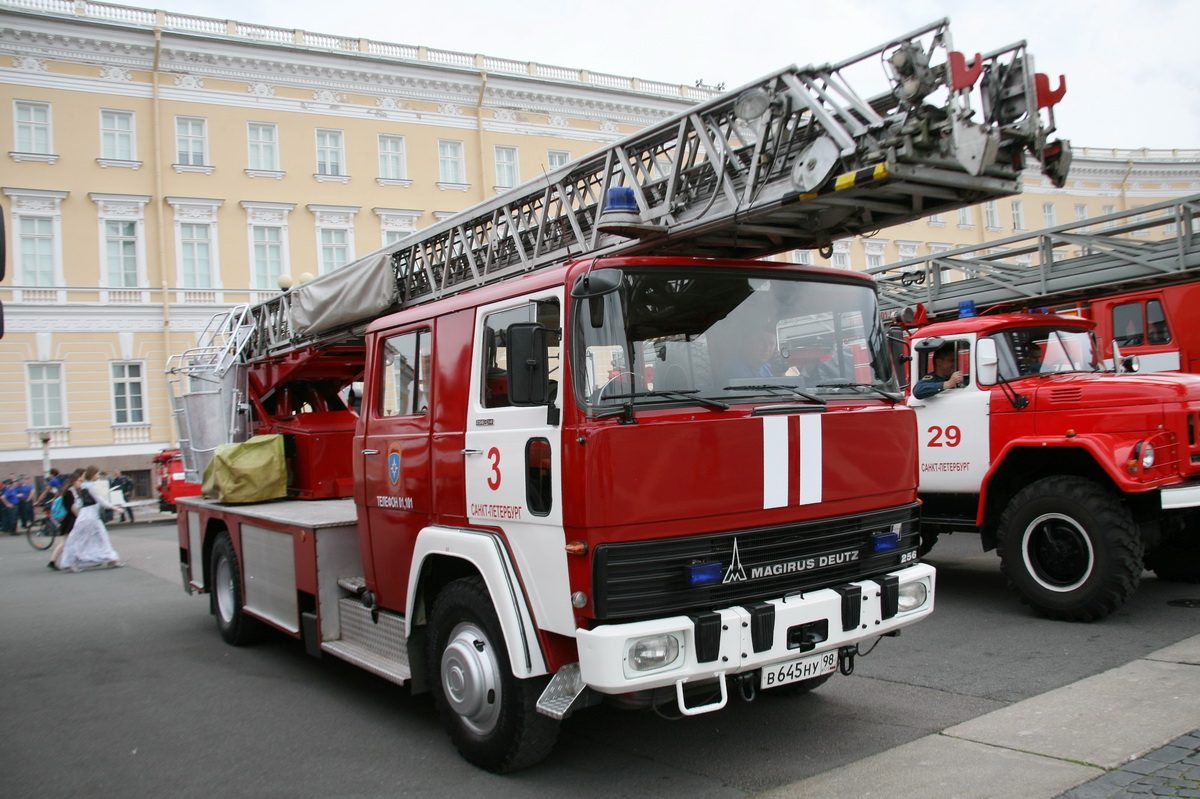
{"points": [[653, 652]]}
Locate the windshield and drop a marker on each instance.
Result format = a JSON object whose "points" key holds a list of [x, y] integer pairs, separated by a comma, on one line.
{"points": [[1044, 350], [713, 336]]}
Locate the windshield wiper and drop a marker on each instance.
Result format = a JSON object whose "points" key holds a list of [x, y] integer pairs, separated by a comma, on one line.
{"points": [[778, 387], [683, 394], [894, 397]]}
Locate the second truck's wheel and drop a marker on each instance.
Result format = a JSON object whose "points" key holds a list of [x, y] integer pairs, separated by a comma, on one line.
{"points": [[1070, 548], [490, 714], [226, 585]]}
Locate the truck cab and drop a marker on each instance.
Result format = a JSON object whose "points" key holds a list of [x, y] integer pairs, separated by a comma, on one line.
{"points": [[1076, 476]]}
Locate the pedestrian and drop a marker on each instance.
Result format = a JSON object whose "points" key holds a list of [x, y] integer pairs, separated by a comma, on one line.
{"points": [[124, 484], [24, 490], [71, 504], [88, 545], [54, 484], [8, 507]]}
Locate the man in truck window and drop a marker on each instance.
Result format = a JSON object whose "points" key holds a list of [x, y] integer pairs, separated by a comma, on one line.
{"points": [[944, 375]]}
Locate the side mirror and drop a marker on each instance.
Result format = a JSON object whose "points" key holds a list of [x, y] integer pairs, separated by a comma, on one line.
{"points": [[898, 352], [528, 364], [594, 287], [986, 362]]}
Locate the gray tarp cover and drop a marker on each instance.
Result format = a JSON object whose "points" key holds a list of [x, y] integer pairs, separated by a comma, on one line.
{"points": [[357, 292]]}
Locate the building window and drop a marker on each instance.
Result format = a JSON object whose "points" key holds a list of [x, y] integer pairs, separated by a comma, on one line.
{"points": [[195, 256], [1018, 212], [46, 407], [32, 127], [264, 147], [268, 255], [392, 162], [331, 158], [964, 218], [120, 253], [1109, 209], [335, 249], [506, 167], [1081, 212], [991, 215], [1049, 215], [116, 136], [451, 165], [128, 401], [35, 251], [191, 140], [936, 220], [557, 158]]}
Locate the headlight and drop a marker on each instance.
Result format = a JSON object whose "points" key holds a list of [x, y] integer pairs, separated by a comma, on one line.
{"points": [[1147, 455], [653, 652], [912, 596]]}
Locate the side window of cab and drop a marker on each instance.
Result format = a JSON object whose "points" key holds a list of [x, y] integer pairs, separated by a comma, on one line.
{"points": [[403, 380]]}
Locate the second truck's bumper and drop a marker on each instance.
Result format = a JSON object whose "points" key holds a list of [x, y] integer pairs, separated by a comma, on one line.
{"points": [[739, 639]]}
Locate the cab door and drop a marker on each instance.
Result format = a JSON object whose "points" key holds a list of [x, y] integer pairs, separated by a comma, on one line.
{"points": [[953, 428], [513, 455]]}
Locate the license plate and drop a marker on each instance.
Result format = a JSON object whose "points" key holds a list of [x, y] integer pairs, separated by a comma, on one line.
{"points": [[797, 670]]}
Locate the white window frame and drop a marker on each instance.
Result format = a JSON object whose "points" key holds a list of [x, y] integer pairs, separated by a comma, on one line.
{"points": [[258, 166], [195, 211], [965, 220], [1105, 211], [840, 259], [395, 224], [35, 404], [126, 381], [335, 234], [991, 215], [936, 220], [557, 158], [121, 151], [267, 215], [1018, 215], [122, 209], [29, 129], [1049, 214], [331, 156], [508, 167], [452, 165], [195, 143], [42, 205], [875, 250], [393, 161]]}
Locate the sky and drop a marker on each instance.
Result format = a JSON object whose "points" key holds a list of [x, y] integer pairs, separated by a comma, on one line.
{"points": [[1130, 65]]}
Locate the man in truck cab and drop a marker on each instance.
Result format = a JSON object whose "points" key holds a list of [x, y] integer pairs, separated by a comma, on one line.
{"points": [[944, 375]]}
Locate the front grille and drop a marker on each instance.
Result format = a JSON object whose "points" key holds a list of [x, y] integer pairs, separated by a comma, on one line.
{"points": [[647, 579]]}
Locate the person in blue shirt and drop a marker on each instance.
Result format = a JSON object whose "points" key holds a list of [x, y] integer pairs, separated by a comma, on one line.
{"points": [[53, 485], [24, 502], [943, 377], [8, 508]]}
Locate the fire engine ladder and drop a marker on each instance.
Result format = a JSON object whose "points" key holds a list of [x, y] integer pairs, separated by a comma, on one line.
{"points": [[1139, 248], [794, 160]]}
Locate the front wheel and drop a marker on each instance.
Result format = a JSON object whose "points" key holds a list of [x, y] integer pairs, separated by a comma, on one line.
{"points": [[234, 625], [41, 535], [490, 714], [1070, 548]]}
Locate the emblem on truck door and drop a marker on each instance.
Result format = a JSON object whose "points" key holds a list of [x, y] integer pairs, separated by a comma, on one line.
{"points": [[393, 463]]}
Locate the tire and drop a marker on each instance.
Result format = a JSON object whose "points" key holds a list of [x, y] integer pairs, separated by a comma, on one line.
{"points": [[1070, 548], [1176, 559], [490, 715], [234, 625], [41, 536], [802, 687]]}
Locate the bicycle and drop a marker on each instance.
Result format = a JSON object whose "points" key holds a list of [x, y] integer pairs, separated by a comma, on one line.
{"points": [[41, 536]]}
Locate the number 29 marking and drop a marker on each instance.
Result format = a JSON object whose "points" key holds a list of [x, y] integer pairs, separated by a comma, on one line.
{"points": [[953, 436]]}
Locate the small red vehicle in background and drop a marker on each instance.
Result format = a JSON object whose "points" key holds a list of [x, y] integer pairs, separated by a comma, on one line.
{"points": [[168, 465]]}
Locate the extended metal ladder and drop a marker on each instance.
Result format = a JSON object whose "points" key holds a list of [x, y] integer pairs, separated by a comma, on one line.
{"points": [[794, 160], [1061, 264]]}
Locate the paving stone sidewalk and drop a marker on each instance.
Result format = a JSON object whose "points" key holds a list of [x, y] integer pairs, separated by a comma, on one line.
{"points": [[1173, 770]]}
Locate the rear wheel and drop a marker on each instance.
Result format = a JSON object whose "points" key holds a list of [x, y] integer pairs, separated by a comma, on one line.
{"points": [[1070, 548], [235, 626], [41, 535], [490, 714]]}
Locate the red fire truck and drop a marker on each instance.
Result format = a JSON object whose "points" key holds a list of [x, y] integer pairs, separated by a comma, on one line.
{"points": [[548, 453], [1078, 472], [172, 481]]}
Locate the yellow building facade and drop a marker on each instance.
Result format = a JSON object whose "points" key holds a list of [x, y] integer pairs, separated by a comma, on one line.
{"points": [[162, 168]]}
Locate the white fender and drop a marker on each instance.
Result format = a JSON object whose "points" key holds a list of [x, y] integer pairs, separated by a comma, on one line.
{"points": [[486, 551]]}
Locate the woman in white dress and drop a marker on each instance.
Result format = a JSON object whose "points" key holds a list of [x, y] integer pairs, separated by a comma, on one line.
{"points": [[88, 545]]}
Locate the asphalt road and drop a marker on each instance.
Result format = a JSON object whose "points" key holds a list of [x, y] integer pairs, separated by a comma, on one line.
{"points": [[116, 684]]}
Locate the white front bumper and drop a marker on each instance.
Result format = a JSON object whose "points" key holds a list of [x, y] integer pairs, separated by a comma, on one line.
{"points": [[604, 651], [1185, 496]]}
